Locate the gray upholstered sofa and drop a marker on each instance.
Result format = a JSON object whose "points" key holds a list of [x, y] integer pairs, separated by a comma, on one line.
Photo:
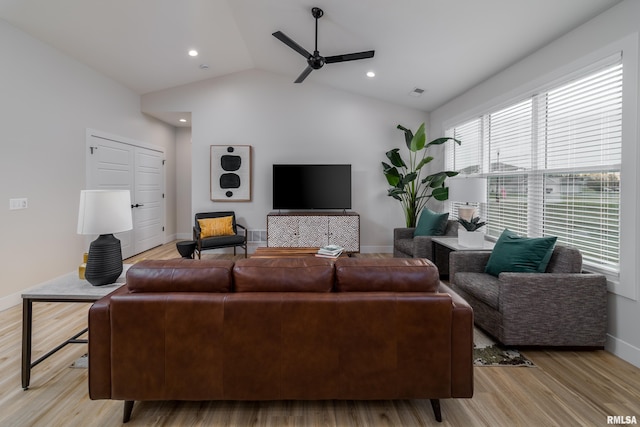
{"points": [[407, 246], [561, 307]]}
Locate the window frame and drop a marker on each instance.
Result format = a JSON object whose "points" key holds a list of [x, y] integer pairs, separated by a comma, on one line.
{"points": [[624, 283]]}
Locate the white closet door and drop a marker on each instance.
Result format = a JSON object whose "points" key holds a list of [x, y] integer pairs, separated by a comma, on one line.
{"points": [[148, 213], [113, 164]]}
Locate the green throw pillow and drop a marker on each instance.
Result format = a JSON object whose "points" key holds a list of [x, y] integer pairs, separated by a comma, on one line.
{"points": [[520, 254], [431, 223]]}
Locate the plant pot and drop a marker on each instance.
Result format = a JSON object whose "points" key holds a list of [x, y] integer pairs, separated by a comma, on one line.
{"points": [[470, 239]]}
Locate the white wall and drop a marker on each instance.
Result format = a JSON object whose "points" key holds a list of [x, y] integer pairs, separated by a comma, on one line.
{"points": [[47, 100], [289, 123], [613, 25], [183, 184]]}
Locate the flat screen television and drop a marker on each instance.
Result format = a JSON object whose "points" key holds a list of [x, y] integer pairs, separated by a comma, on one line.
{"points": [[311, 186]]}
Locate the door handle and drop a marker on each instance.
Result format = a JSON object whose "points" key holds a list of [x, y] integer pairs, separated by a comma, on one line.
{"points": [[136, 206]]}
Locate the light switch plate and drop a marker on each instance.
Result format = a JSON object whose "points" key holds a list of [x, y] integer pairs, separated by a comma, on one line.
{"points": [[18, 204]]}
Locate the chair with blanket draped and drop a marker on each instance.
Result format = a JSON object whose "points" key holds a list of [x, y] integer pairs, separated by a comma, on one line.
{"points": [[214, 230]]}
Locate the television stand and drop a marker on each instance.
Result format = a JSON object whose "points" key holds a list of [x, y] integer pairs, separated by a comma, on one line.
{"points": [[314, 229]]}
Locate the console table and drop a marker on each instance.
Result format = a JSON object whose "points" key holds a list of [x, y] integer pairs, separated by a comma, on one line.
{"points": [[443, 246], [314, 230], [67, 288]]}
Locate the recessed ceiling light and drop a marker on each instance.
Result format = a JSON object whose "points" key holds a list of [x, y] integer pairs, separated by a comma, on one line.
{"points": [[193, 52], [183, 120], [371, 74]]}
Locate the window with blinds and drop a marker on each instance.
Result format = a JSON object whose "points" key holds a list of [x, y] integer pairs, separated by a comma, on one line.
{"points": [[552, 163]]}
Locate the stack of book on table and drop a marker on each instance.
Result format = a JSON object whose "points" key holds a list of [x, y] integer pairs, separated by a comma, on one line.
{"points": [[330, 251]]}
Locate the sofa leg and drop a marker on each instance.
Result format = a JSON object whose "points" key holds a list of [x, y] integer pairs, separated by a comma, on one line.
{"points": [[128, 407], [435, 404]]}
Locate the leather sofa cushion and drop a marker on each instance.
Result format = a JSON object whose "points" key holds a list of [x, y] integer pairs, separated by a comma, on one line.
{"points": [[482, 286], [180, 275], [386, 275], [308, 274]]}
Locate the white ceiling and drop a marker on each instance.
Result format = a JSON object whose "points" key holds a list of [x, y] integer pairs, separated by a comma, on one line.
{"points": [[442, 46]]}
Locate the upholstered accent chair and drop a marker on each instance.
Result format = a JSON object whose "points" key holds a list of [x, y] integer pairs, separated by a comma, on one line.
{"points": [[562, 306], [405, 245], [227, 239]]}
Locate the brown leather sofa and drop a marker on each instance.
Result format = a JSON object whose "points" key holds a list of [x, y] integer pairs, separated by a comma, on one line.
{"points": [[281, 329]]}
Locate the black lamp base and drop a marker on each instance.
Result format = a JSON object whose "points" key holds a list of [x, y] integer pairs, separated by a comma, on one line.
{"points": [[104, 263]]}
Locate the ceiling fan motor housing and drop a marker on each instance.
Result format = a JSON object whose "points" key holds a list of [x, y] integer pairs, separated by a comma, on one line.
{"points": [[316, 61]]}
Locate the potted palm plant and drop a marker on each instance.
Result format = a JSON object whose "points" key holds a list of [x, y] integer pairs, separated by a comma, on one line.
{"points": [[407, 185]]}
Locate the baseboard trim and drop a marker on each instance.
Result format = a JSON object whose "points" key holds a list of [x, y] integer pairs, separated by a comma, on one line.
{"points": [[376, 249], [11, 300], [623, 350]]}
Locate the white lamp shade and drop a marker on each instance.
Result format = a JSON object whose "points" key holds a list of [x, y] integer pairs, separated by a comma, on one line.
{"points": [[104, 212], [468, 190]]}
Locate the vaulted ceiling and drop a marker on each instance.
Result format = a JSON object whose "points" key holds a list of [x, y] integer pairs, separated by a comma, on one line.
{"points": [[442, 46]]}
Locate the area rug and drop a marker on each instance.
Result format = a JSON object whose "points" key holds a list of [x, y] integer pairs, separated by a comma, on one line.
{"points": [[486, 352], [81, 362]]}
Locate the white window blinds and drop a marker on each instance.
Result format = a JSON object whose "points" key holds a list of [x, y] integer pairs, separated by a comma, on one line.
{"points": [[509, 144], [466, 158], [582, 136], [552, 162]]}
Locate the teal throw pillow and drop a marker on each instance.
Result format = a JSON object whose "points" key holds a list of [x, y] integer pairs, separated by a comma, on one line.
{"points": [[513, 253], [431, 223]]}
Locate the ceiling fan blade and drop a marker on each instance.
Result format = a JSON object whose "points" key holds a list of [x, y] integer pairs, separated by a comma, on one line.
{"points": [[304, 75], [349, 57], [293, 45]]}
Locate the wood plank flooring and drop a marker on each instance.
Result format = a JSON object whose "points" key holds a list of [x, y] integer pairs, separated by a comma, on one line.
{"points": [[567, 388]]}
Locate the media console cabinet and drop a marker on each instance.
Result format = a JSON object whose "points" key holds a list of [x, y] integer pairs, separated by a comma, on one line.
{"points": [[314, 229]]}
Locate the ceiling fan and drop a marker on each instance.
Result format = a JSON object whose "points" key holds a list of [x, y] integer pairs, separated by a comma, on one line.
{"points": [[316, 61]]}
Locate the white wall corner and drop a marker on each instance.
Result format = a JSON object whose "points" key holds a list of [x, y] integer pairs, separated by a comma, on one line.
{"points": [[623, 350]]}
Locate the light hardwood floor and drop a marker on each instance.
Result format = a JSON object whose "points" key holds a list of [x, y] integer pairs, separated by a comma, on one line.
{"points": [[567, 388]]}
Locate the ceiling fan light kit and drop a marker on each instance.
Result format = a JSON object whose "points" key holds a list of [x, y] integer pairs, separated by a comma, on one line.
{"points": [[315, 61]]}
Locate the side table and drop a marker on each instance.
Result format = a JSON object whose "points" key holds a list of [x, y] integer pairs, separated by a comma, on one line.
{"points": [[186, 248], [443, 246], [67, 288]]}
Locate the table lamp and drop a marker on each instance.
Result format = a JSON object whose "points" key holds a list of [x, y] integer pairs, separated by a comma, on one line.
{"points": [[104, 212], [468, 190]]}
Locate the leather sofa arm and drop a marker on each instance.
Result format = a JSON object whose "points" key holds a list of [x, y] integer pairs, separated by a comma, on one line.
{"points": [[461, 344], [99, 346], [565, 307], [459, 303], [467, 262]]}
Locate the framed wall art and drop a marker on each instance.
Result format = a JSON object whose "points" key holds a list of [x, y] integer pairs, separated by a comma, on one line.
{"points": [[231, 173]]}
